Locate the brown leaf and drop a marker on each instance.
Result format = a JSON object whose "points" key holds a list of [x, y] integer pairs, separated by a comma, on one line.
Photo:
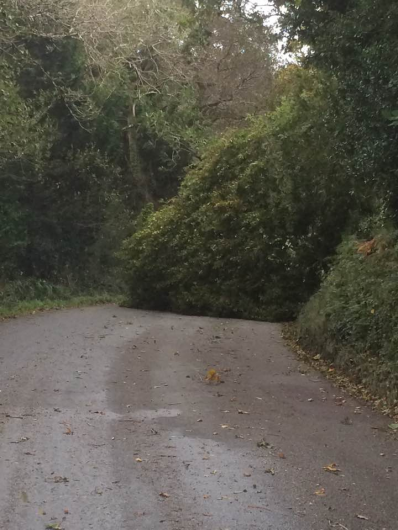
{"points": [[164, 495], [367, 248], [321, 492], [68, 429]]}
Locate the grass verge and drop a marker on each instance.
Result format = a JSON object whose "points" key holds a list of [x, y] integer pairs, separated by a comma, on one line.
{"points": [[30, 296], [32, 306]]}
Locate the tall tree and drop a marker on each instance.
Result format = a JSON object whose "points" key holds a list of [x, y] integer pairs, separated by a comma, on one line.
{"points": [[355, 42]]}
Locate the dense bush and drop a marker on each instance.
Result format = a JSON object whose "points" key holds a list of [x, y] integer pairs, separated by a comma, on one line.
{"points": [[353, 320], [249, 232]]}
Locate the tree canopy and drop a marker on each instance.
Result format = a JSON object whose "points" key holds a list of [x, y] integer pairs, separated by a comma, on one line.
{"points": [[105, 106]]}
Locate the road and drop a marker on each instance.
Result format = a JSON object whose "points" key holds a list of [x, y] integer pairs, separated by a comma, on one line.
{"points": [[107, 423]]}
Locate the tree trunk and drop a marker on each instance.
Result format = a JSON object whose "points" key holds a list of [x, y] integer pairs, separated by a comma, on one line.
{"points": [[139, 177]]}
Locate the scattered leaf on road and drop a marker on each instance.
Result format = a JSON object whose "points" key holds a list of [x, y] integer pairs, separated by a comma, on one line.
{"points": [[270, 471], [394, 426], [213, 376], [69, 430], [21, 440], [164, 495], [321, 492], [332, 468], [58, 480], [363, 517], [139, 460], [24, 497], [243, 412]]}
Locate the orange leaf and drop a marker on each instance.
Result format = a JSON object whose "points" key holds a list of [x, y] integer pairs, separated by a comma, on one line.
{"points": [[332, 468], [213, 376]]}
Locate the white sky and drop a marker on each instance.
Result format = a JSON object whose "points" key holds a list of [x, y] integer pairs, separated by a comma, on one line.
{"points": [[266, 8]]}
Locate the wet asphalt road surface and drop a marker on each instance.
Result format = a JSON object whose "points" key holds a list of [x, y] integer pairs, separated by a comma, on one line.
{"points": [[107, 423]]}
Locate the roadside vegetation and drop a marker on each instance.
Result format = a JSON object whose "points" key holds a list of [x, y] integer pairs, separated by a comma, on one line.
{"points": [[30, 296], [103, 106], [161, 149], [352, 321]]}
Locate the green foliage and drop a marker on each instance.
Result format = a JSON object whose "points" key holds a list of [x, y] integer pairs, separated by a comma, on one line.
{"points": [[24, 146], [69, 187], [68, 215], [99, 113], [355, 41], [29, 295], [353, 320], [171, 133], [251, 228]]}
